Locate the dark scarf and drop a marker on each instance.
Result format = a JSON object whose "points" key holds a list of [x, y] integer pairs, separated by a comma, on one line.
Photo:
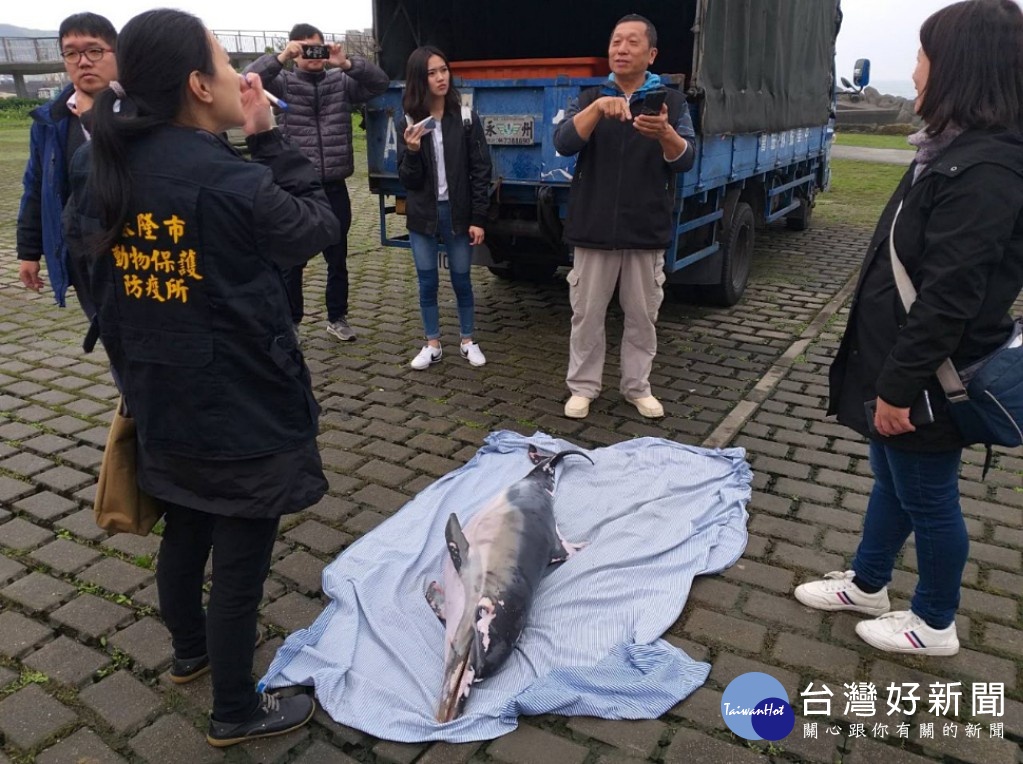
{"points": [[929, 147]]}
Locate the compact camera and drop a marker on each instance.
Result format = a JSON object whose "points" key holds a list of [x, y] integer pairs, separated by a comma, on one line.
{"points": [[315, 51]]}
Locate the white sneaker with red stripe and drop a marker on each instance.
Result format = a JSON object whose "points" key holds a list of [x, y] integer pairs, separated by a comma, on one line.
{"points": [[903, 631], [838, 592]]}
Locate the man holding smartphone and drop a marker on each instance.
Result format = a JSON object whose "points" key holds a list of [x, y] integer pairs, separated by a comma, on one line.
{"points": [[632, 136], [319, 121]]}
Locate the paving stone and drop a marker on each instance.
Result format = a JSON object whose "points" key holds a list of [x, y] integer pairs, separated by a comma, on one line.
{"points": [[292, 611], [21, 535], [449, 753], [303, 569], [45, 505], [397, 753], [318, 537], [711, 590], [83, 747], [85, 457], [48, 444], [30, 716], [65, 556], [276, 748], [7, 676], [983, 750], [172, 739], [364, 522], [529, 745], [9, 569], [706, 625], [727, 666], [639, 738], [122, 701], [134, 546], [767, 576], [689, 746], [380, 498], [83, 525], [828, 660], [18, 634], [703, 707], [92, 616], [38, 592], [867, 751], [67, 661], [11, 489], [1004, 639], [323, 753], [147, 642], [117, 575], [25, 464]]}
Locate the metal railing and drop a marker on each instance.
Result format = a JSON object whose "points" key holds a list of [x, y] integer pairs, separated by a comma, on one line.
{"points": [[46, 50]]}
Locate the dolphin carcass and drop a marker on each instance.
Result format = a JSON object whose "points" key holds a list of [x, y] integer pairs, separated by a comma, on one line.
{"points": [[492, 571]]}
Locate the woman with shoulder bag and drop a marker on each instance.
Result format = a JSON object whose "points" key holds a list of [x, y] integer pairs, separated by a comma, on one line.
{"points": [[184, 242], [444, 163], [959, 235]]}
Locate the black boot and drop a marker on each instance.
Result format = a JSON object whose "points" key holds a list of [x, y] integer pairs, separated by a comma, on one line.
{"points": [[274, 716]]}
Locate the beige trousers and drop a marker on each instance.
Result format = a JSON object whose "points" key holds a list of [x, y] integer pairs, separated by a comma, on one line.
{"points": [[639, 274]]}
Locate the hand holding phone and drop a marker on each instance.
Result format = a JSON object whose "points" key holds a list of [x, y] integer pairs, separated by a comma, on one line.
{"points": [[427, 124], [920, 412], [315, 51], [652, 102]]}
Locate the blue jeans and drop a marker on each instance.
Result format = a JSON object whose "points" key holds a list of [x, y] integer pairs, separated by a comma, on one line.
{"points": [[424, 252], [919, 493]]}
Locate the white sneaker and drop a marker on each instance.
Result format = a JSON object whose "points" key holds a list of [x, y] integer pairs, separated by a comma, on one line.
{"points": [[428, 355], [472, 353], [577, 407], [838, 592], [903, 631]]}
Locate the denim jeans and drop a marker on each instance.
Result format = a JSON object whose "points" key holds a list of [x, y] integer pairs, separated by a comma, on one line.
{"points": [[917, 493], [336, 256], [226, 631], [424, 252]]}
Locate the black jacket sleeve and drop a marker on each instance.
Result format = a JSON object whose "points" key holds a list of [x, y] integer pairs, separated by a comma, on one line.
{"points": [[294, 220], [411, 164], [479, 173]]}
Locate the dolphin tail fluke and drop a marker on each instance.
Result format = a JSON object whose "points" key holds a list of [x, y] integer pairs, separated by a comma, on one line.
{"points": [[435, 596], [458, 545], [565, 548]]}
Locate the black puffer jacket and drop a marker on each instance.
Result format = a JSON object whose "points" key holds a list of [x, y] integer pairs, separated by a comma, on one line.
{"points": [[960, 237], [319, 114], [467, 168]]}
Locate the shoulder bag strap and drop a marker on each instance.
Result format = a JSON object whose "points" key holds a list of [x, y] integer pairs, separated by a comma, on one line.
{"points": [[947, 375]]}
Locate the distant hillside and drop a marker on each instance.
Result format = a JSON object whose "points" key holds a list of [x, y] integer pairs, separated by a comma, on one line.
{"points": [[9, 30]]}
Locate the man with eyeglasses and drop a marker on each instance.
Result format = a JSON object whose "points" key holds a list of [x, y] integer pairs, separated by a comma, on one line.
{"points": [[87, 43]]}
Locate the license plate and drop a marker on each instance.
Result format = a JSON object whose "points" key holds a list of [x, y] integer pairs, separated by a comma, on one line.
{"points": [[508, 130]]}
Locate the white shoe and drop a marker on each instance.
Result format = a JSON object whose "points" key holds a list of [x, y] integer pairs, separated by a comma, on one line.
{"points": [[648, 406], [903, 631], [428, 355], [577, 407], [472, 353], [838, 592]]}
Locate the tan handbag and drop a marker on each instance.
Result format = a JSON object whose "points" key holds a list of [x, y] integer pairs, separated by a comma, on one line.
{"points": [[121, 506]]}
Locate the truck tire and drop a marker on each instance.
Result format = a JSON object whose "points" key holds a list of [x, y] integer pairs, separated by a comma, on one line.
{"points": [[799, 219], [736, 255]]}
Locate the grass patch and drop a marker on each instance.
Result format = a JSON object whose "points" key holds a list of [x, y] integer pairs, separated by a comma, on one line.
{"points": [[869, 141], [858, 193]]}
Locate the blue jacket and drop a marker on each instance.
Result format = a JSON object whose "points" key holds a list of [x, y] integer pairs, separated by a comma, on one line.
{"points": [[45, 184]]}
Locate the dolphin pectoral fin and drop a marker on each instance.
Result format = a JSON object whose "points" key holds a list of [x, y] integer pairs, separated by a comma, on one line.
{"points": [[435, 596], [565, 549], [458, 545]]}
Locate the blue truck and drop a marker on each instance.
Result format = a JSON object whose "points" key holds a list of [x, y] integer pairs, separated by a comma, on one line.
{"points": [[760, 82]]}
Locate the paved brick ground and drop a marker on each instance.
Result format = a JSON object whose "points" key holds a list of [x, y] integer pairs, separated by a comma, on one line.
{"points": [[83, 654]]}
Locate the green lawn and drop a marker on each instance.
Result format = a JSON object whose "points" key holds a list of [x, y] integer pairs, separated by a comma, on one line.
{"points": [[858, 193], [867, 140]]}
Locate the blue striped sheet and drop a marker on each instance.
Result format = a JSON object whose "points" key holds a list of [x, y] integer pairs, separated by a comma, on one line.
{"points": [[655, 513]]}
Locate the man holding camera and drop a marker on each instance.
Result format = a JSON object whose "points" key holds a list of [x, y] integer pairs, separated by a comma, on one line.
{"points": [[318, 119], [632, 136]]}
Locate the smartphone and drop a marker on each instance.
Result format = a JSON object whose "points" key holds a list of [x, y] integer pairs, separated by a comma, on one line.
{"points": [[315, 51], [653, 102], [427, 124], [920, 413]]}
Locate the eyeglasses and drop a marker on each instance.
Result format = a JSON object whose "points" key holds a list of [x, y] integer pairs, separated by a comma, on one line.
{"points": [[92, 54]]}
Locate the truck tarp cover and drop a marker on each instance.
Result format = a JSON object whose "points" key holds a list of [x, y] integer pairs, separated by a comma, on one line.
{"points": [[765, 65]]}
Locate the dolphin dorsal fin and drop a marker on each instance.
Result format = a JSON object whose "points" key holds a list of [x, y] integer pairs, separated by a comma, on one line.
{"points": [[458, 545]]}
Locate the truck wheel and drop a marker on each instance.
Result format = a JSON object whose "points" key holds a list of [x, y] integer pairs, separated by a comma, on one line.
{"points": [[736, 256], [799, 219]]}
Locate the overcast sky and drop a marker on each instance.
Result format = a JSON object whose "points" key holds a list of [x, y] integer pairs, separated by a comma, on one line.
{"points": [[885, 31]]}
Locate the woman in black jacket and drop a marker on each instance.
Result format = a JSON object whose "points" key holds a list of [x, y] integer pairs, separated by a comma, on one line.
{"points": [[184, 242], [960, 237], [444, 163]]}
